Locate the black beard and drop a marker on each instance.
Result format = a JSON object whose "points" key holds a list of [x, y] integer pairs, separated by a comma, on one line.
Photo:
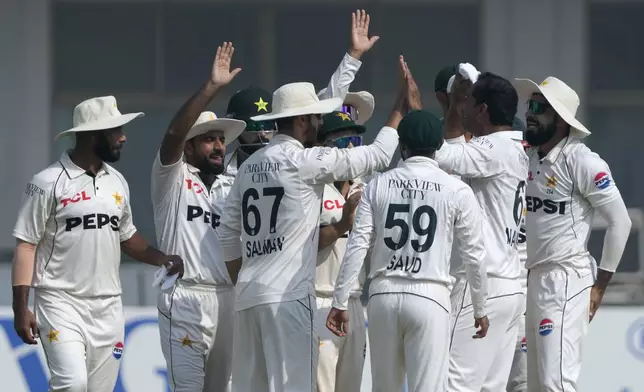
{"points": [[105, 151], [541, 136], [207, 167]]}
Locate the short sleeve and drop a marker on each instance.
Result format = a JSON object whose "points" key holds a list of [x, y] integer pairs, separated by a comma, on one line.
{"points": [[34, 212], [165, 179], [127, 228], [593, 178], [475, 159]]}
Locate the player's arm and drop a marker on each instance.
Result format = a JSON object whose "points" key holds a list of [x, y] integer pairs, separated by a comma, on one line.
{"points": [[174, 139], [468, 228], [471, 160], [230, 231], [596, 184], [134, 245], [453, 127], [330, 233], [360, 44], [37, 205], [358, 245]]}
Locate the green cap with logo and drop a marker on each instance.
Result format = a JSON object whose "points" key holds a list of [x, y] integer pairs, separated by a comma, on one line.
{"points": [[252, 101], [338, 121], [421, 130]]}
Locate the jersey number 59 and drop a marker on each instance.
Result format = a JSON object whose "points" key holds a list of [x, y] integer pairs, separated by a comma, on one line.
{"points": [[416, 219]]}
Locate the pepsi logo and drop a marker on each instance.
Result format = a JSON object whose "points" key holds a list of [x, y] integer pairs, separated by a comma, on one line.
{"points": [[117, 351], [524, 345], [545, 327], [602, 180]]}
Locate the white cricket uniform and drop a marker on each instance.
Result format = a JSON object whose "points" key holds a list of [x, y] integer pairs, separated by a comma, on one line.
{"points": [[341, 359], [274, 205], [518, 380], [196, 316], [78, 222], [564, 188], [496, 167], [411, 215]]}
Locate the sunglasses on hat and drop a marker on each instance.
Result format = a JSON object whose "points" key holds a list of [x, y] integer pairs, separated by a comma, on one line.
{"points": [[259, 126], [351, 111], [537, 107], [345, 141]]}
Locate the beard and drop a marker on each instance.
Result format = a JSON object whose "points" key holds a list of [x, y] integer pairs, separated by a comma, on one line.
{"points": [[207, 166], [251, 149], [541, 135], [311, 136], [105, 151]]}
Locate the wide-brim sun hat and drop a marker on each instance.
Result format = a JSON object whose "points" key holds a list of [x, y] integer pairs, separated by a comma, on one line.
{"points": [[363, 101], [208, 121], [563, 99], [97, 114], [298, 99]]}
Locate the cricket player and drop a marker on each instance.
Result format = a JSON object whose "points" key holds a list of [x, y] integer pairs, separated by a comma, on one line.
{"points": [[74, 221], [518, 381], [254, 101], [496, 167], [196, 316], [274, 206], [410, 216], [567, 184], [341, 360]]}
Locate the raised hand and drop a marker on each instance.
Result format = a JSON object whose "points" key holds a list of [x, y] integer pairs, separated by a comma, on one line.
{"points": [[360, 41], [221, 74], [413, 94]]}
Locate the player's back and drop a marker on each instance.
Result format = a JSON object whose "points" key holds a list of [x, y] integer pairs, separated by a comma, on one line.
{"points": [[280, 215], [414, 211]]}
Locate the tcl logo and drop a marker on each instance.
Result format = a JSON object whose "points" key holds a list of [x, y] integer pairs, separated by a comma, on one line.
{"points": [[75, 199], [194, 185], [332, 204], [93, 222]]}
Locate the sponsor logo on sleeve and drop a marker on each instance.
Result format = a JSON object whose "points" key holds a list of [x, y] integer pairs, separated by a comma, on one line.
{"points": [[602, 180], [545, 327], [117, 350]]}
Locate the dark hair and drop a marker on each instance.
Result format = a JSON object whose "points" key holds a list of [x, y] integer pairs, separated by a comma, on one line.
{"points": [[499, 95], [415, 152], [284, 124]]}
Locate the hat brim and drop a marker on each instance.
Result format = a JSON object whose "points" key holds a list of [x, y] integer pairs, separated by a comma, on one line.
{"points": [[102, 124], [526, 87], [352, 127], [364, 103], [323, 107], [230, 127]]}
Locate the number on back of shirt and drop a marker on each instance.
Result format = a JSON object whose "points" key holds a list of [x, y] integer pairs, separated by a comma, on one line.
{"points": [[512, 234], [251, 216]]}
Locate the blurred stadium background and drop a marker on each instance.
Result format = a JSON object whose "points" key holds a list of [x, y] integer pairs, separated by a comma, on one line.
{"points": [[152, 55]]}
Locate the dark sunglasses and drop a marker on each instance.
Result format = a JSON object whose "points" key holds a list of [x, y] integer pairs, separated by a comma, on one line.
{"points": [[351, 111], [538, 107], [345, 141], [259, 126]]}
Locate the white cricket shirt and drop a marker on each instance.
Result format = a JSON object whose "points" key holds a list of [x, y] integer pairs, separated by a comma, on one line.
{"points": [[77, 223], [522, 247], [329, 258], [411, 215], [496, 167], [563, 189], [187, 217], [275, 205]]}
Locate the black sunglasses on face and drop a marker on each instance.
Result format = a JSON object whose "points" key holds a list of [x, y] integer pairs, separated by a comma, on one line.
{"points": [[537, 107]]}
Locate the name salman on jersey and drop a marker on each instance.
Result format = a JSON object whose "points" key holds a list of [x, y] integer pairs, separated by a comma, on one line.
{"points": [[410, 189], [259, 173]]}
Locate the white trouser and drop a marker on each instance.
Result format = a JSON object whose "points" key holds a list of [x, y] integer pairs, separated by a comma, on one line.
{"points": [[275, 347], [518, 381], [558, 306], [82, 339], [407, 333], [484, 364], [196, 333], [341, 359]]}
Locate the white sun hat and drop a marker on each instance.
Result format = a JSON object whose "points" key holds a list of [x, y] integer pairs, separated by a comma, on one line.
{"points": [[563, 99], [298, 99], [363, 101], [96, 114], [208, 121]]}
